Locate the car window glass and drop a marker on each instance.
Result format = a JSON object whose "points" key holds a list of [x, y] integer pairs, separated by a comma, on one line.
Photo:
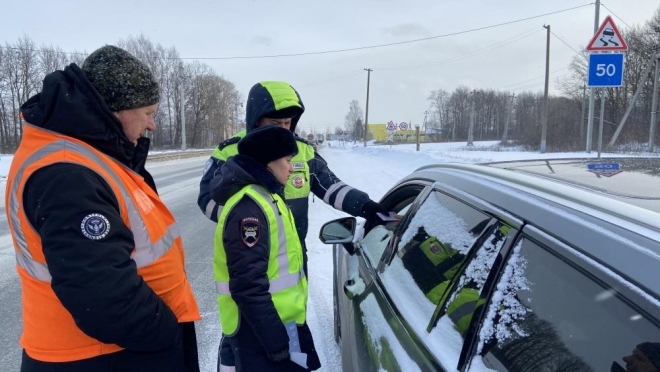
{"points": [[377, 239], [432, 249], [375, 242], [467, 296], [548, 316]]}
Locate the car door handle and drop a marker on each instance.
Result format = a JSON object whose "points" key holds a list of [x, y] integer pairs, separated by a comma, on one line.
{"points": [[349, 289]]}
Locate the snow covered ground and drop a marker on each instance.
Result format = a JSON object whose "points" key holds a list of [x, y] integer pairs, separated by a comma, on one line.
{"points": [[373, 169]]}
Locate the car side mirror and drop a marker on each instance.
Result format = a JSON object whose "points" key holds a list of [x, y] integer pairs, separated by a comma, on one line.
{"points": [[338, 231]]}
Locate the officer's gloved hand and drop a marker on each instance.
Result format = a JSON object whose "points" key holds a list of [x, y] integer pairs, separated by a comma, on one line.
{"points": [[374, 213], [279, 356]]}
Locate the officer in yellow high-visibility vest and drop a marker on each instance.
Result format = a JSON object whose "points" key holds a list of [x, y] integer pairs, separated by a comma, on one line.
{"points": [[258, 262], [277, 103]]}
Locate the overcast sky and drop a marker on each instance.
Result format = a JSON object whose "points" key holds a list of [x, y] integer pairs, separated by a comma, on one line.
{"points": [[509, 57]]}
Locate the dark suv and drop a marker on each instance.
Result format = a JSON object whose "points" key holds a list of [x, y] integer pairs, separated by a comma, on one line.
{"points": [[521, 266]]}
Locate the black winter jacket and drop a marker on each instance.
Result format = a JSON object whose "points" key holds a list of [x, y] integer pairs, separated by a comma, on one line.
{"points": [[247, 266], [96, 280]]}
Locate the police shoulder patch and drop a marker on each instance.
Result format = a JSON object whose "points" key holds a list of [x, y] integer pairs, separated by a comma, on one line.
{"points": [[95, 226], [250, 231], [207, 166]]}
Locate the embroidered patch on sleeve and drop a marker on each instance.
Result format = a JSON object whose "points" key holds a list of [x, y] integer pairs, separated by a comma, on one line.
{"points": [[95, 226], [250, 231], [207, 166]]}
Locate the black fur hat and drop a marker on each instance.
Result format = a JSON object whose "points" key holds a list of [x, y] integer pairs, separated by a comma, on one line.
{"points": [[265, 144], [122, 80]]}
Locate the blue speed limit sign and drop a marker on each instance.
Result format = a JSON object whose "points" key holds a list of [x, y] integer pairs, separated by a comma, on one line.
{"points": [[605, 70]]}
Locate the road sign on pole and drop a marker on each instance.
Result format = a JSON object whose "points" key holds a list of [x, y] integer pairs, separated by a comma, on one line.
{"points": [[403, 125], [607, 38], [605, 70], [391, 126]]}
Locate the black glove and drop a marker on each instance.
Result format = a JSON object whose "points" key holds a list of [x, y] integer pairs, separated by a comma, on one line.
{"points": [[279, 356], [370, 212]]}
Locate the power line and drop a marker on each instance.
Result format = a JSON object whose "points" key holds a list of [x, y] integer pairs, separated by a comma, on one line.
{"points": [[330, 80], [453, 59], [400, 42], [565, 43], [471, 54], [532, 79], [619, 18], [377, 45]]}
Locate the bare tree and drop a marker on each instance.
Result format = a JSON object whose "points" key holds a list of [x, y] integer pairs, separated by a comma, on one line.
{"points": [[51, 59], [354, 114], [439, 99]]}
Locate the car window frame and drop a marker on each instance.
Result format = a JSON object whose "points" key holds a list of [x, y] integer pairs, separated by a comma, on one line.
{"points": [[497, 215], [388, 202], [391, 249]]}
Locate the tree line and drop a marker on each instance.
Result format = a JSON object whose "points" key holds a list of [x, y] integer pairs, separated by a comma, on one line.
{"points": [[516, 118], [212, 105]]}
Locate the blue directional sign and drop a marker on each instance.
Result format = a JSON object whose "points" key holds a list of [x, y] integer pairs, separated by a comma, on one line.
{"points": [[604, 169], [605, 70]]}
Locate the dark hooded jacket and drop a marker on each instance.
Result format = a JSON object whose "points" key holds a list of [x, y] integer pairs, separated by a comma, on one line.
{"points": [[96, 281], [260, 328], [264, 102]]}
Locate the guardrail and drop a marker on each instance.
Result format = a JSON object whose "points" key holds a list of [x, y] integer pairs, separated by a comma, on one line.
{"points": [[173, 155]]}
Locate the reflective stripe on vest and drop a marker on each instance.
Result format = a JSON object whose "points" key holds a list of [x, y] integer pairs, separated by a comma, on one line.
{"points": [[50, 333], [460, 310], [284, 243], [145, 252], [284, 279]]}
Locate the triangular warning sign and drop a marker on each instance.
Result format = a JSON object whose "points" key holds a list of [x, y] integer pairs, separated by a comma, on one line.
{"points": [[607, 38]]}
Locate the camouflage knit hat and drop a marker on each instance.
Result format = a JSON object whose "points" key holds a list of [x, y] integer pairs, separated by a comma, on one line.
{"points": [[123, 81]]}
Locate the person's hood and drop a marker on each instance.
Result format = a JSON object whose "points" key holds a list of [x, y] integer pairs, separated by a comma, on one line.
{"points": [[68, 104], [268, 97], [240, 171]]}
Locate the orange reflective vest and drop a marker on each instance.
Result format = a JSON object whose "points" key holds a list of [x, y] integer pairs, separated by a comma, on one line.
{"points": [[49, 331]]}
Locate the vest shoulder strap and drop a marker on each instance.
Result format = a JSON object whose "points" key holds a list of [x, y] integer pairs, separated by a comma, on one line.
{"points": [[228, 142]]}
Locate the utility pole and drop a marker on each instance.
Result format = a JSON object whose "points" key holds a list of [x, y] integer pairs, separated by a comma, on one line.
{"points": [[366, 113], [183, 111], [600, 122], [508, 120], [590, 119], [654, 104], [631, 103], [424, 123], [544, 118], [470, 139], [584, 98]]}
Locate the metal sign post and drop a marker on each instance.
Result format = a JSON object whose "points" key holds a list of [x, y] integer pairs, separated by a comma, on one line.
{"points": [[605, 69]]}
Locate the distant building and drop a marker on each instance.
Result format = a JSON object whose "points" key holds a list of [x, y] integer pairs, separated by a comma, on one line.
{"points": [[379, 132]]}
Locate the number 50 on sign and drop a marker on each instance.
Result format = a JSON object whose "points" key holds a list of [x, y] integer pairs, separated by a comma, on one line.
{"points": [[605, 70]]}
